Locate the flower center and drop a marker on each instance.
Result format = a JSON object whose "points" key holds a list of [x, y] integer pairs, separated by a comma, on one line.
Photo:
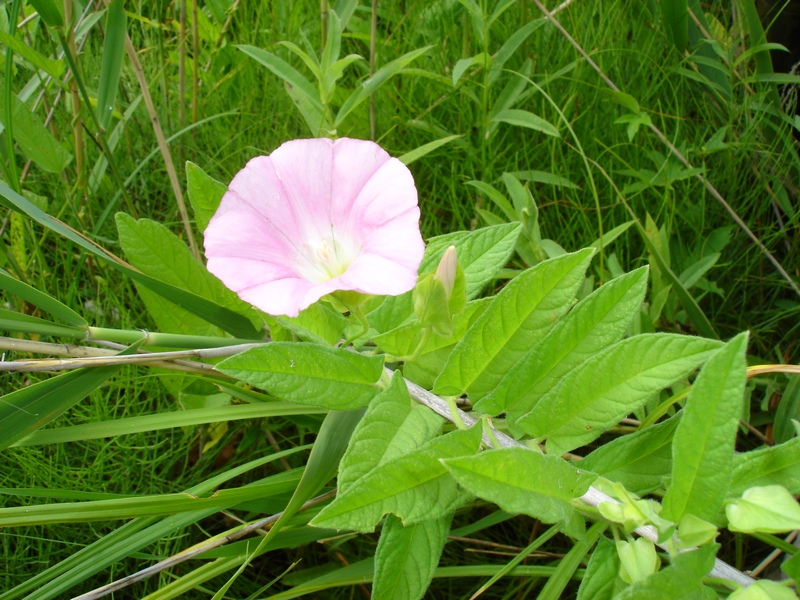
{"points": [[327, 258]]}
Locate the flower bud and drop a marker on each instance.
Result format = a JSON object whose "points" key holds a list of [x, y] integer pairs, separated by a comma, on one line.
{"points": [[447, 270]]}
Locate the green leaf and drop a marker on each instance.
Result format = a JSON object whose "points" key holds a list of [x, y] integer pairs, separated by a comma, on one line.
{"points": [[704, 442], [380, 77], [111, 67], [638, 559], [403, 340], [286, 72], [640, 461], [163, 420], [54, 68], [764, 590], [520, 315], [51, 11], [610, 385], [681, 580], [554, 588], [788, 411], [524, 118], [512, 43], [676, 19], [130, 538], [308, 374], [596, 322], [27, 409], [416, 487], [462, 65], [406, 558], [498, 198], [392, 426], [319, 323], [601, 581], [214, 313], [774, 465], [768, 509], [34, 139], [417, 153], [143, 506], [205, 194], [41, 300], [481, 253], [525, 481]]}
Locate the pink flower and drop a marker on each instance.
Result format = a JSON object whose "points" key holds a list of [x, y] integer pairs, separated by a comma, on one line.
{"points": [[314, 217]]}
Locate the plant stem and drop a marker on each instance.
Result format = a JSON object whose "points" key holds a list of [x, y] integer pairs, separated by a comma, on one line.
{"points": [[10, 170]]}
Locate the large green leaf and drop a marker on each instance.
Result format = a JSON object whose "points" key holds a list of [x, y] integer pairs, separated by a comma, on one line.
{"points": [[704, 442], [391, 427], [481, 255], [406, 558], [159, 253], [415, 487], [34, 139], [612, 384], [775, 465], [205, 194], [525, 481], [309, 374], [640, 461], [521, 314], [225, 318], [597, 321], [601, 580]]}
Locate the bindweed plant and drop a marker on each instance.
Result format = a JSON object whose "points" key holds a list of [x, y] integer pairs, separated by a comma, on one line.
{"points": [[440, 392]]}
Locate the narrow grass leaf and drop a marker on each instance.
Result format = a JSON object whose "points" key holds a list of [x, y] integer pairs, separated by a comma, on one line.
{"points": [[111, 65], [596, 322], [392, 426], [41, 300], [704, 442], [205, 194], [524, 118], [309, 374], [380, 77], [417, 153], [525, 481], [164, 420], [34, 139], [510, 46], [676, 19], [225, 318], [521, 314], [498, 198], [146, 506], [25, 410], [129, 539], [612, 384], [557, 582], [416, 487], [774, 465], [15, 321], [601, 580], [406, 557], [286, 72], [641, 461]]}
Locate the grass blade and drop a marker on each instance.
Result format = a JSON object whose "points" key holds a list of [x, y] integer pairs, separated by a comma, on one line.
{"points": [[113, 49]]}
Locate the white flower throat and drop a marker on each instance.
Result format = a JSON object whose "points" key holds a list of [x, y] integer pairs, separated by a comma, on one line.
{"points": [[327, 258]]}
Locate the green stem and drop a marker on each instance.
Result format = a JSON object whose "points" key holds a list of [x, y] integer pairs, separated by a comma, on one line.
{"points": [[455, 416], [10, 169]]}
